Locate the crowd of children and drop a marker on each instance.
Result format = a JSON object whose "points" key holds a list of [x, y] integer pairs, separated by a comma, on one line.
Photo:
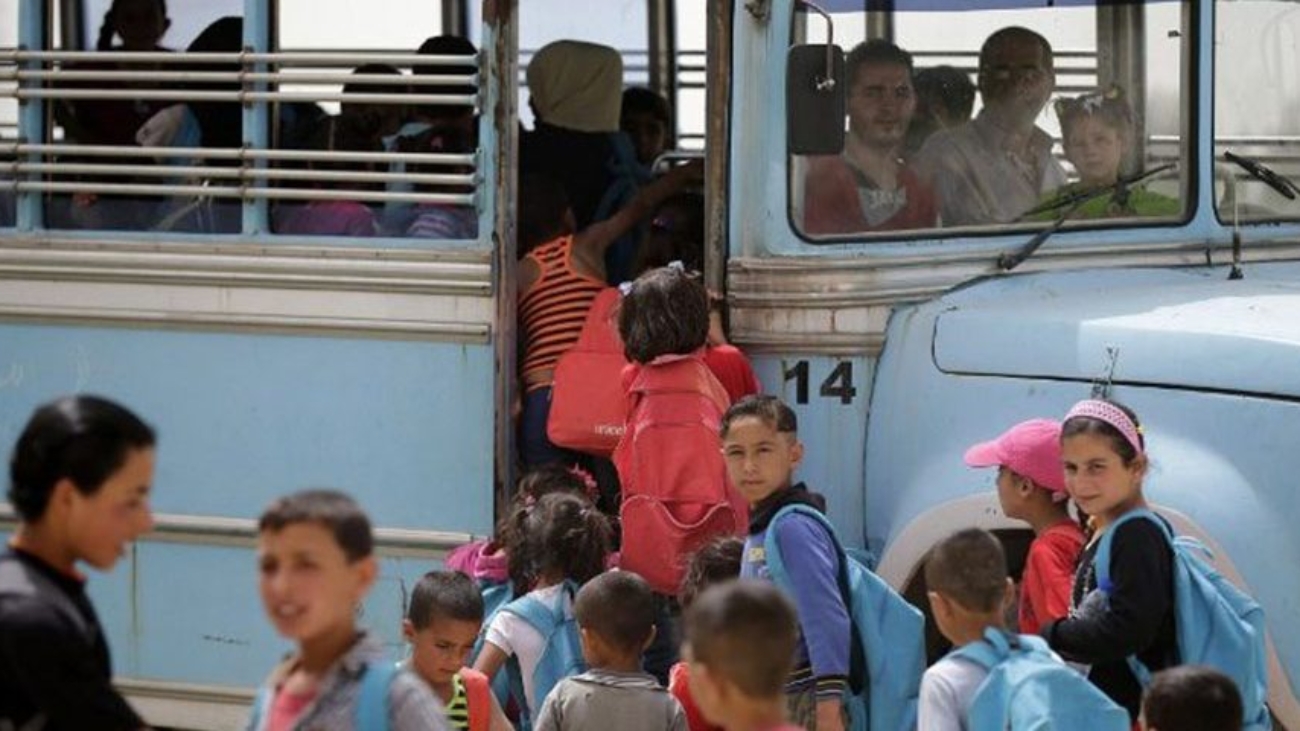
{"points": [[547, 610]]}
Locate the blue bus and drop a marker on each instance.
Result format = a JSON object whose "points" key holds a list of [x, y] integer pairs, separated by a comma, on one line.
{"points": [[153, 269]]}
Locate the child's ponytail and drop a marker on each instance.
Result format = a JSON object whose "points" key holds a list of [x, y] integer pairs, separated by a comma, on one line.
{"points": [[566, 537]]}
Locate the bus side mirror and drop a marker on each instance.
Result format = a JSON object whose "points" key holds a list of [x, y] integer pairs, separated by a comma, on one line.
{"points": [[814, 100]]}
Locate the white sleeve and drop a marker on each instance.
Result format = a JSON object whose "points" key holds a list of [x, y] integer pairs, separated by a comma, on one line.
{"points": [[517, 638], [939, 708]]}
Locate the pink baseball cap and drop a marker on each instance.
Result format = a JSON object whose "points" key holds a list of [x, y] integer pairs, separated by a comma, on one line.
{"points": [[1031, 449]]}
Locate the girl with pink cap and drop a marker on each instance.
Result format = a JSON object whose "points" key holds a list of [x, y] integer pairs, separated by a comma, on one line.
{"points": [[1031, 487], [1104, 454]]}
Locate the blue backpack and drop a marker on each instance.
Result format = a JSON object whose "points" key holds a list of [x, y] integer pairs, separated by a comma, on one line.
{"points": [[495, 596], [1216, 623], [562, 653], [371, 713], [1029, 688], [888, 637]]}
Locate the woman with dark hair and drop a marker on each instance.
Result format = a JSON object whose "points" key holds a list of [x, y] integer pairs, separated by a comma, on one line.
{"points": [[80, 479]]}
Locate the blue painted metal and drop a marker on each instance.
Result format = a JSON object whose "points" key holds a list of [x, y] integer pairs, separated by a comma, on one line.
{"points": [[256, 116], [403, 424], [1240, 336], [1226, 460], [31, 113], [833, 432]]}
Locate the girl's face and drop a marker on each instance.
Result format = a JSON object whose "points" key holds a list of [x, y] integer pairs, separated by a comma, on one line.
{"points": [[1097, 478], [1095, 148]]}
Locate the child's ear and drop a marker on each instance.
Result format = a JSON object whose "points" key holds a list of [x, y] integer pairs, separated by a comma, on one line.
{"points": [[367, 571], [796, 453], [650, 638], [1009, 593], [408, 631]]}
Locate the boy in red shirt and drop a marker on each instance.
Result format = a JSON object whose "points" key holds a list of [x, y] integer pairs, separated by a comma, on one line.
{"points": [[1031, 487]]}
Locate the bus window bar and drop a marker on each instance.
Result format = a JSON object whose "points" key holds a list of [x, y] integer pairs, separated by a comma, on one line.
{"points": [[242, 97], [348, 60], [233, 153], [403, 80], [215, 191], [176, 171]]}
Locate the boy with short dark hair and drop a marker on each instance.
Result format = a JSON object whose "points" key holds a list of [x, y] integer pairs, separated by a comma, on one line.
{"points": [[762, 451], [442, 623], [968, 587], [740, 639], [315, 553], [1191, 698], [616, 620]]}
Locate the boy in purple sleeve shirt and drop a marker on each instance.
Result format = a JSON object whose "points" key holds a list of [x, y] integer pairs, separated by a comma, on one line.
{"points": [[762, 451]]}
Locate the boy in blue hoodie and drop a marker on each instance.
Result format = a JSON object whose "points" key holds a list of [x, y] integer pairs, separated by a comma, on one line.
{"points": [[762, 450]]}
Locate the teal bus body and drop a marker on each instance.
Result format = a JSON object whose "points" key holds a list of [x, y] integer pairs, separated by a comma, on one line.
{"points": [[385, 367]]}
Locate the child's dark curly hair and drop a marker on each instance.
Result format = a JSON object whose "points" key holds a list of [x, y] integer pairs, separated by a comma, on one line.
{"points": [[563, 536], [532, 487], [713, 563]]}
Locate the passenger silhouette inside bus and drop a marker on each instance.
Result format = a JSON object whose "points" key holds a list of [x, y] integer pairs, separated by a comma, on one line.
{"points": [[341, 215], [648, 122], [945, 98], [1098, 130], [869, 187], [997, 166], [140, 26]]}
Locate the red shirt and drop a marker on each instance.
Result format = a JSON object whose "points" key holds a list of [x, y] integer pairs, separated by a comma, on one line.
{"points": [[286, 707], [679, 686], [832, 202], [1049, 575], [733, 371]]}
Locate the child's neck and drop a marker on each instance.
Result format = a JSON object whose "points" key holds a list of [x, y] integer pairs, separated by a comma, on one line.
{"points": [[1103, 520], [755, 714], [39, 541], [971, 628], [626, 664], [319, 653], [1043, 515]]}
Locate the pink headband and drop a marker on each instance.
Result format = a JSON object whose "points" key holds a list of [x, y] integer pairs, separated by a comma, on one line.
{"points": [[1110, 414]]}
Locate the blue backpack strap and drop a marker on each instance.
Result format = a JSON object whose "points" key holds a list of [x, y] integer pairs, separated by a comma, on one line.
{"points": [[372, 699], [261, 708], [1101, 566], [987, 652], [772, 551]]}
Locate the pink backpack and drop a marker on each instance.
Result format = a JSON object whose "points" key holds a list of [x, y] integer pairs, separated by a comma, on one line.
{"points": [[676, 493]]}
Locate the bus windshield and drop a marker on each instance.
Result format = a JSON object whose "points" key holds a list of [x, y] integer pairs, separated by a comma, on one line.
{"points": [[1256, 108], [994, 114]]}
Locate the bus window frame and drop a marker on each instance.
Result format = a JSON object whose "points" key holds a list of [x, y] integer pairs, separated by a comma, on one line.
{"points": [[1000, 232]]}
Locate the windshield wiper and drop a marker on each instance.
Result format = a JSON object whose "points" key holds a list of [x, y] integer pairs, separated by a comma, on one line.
{"points": [[1070, 204], [1264, 174]]}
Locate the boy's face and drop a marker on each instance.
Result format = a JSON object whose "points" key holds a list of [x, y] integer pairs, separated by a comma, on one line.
{"points": [[441, 649], [308, 586], [1010, 492], [760, 459], [100, 526]]}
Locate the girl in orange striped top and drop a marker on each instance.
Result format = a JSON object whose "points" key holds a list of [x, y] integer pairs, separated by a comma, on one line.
{"points": [[559, 276]]}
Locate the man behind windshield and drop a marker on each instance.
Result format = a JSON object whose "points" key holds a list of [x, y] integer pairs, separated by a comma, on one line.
{"points": [[868, 187], [999, 165]]}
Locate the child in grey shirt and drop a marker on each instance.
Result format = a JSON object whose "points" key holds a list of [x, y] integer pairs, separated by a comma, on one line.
{"points": [[615, 613]]}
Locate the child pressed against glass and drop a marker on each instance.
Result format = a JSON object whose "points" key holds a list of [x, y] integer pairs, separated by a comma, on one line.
{"points": [[762, 450], [1031, 487], [315, 554], [1105, 460], [739, 639], [1191, 698], [80, 477], [562, 543], [442, 623], [1097, 131], [966, 575], [715, 562], [616, 616]]}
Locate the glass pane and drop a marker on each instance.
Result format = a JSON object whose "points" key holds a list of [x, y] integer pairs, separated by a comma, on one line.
{"points": [[692, 38], [1257, 108], [1055, 126], [8, 111]]}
